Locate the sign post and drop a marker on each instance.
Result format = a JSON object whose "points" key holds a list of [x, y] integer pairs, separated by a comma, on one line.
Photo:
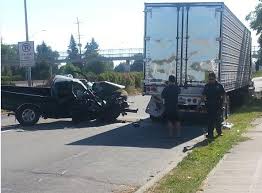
{"points": [[27, 39]]}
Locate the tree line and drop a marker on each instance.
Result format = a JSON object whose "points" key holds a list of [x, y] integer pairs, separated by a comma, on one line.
{"points": [[255, 19], [89, 62]]}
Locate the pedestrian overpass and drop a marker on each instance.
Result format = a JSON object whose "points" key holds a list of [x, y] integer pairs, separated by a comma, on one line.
{"points": [[112, 55]]}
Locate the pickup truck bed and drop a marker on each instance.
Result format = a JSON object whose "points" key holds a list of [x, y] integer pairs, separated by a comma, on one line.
{"points": [[27, 90]]}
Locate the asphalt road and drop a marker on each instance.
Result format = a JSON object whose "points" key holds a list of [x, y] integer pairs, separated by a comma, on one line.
{"points": [[55, 156]]}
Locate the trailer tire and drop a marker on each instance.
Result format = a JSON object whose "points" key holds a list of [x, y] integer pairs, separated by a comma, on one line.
{"points": [[226, 109], [27, 115]]}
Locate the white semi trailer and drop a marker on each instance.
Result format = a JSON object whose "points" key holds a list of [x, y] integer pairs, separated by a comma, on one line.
{"points": [[188, 40]]}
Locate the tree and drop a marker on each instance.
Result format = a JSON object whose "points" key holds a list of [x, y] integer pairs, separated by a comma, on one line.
{"points": [[137, 66], [92, 59], [45, 62], [120, 67], [255, 19], [257, 64], [9, 53], [97, 66], [10, 61], [91, 48], [73, 55], [45, 53]]}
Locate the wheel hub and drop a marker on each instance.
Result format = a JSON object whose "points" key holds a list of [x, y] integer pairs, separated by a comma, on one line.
{"points": [[28, 115]]}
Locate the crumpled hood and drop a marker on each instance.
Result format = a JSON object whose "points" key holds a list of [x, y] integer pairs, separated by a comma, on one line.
{"points": [[105, 88]]}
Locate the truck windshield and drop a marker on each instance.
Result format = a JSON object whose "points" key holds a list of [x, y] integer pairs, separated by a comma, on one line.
{"points": [[78, 89]]}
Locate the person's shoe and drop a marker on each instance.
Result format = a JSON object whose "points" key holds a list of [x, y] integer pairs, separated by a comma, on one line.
{"points": [[220, 134]]}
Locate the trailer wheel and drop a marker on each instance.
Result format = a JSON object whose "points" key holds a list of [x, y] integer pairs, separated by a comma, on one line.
{"points": [[28, 115], [226, 109]]}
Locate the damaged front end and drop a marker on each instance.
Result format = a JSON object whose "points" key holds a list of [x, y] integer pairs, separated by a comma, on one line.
{"points": [[115, 98]]}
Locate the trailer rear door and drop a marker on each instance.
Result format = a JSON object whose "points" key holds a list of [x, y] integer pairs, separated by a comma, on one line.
{"points": [[202, 33], [160, 42], [182, 40]]}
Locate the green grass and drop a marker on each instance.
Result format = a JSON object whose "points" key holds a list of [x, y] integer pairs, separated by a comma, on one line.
{"points": [[257, 74], [190, 173]]}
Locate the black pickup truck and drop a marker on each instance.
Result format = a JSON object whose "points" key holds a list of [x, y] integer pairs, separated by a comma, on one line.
{"points": [[66, 98]]}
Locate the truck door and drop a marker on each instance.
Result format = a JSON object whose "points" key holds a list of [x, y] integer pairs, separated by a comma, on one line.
{"points": [[161, 53], [200, 43]]}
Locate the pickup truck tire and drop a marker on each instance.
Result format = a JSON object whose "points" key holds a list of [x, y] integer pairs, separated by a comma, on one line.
{"points": [[110, 115], [27, 115]]}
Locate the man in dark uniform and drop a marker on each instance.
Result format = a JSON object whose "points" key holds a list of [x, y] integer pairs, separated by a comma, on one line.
{"points": [[170, 96], [214, 93]]}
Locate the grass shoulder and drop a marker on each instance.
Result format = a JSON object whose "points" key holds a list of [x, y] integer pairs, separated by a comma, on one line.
{"points": [[257, 74], [190, 173]]}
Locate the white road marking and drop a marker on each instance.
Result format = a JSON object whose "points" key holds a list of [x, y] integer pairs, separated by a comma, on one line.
{"points": [[17, 130]]}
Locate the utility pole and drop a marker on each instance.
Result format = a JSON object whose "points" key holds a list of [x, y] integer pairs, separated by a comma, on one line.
{"points": [[79, 38], [27, 39]]}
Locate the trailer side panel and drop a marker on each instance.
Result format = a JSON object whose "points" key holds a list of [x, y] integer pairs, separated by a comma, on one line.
{"points": [[235, 52]]}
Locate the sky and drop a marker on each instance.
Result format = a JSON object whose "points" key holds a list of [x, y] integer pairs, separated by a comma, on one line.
{"points": [[113, 23]]}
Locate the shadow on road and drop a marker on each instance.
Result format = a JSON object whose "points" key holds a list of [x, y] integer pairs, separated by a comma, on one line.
{"points": [[57, 124], [144, 135]]}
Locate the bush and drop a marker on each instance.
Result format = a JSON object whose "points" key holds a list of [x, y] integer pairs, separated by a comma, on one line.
{"points": [[9, 83], [132, 79], [69, 69], [11, 78], [90, 76]]}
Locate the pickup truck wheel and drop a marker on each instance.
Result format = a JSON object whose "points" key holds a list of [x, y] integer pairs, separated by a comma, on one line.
{"points": [[110, 115], [27, 115], [76, 119]]}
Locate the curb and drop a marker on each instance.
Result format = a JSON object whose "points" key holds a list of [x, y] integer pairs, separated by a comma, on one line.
{"points": [[204, 184], [160, 175]]}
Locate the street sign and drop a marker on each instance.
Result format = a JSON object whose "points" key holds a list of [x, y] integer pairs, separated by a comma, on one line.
{"points": [[26, 53]]}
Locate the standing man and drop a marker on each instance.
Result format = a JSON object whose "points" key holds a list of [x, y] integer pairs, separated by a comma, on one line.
{"points": [[214, 93], [170, 96]]}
